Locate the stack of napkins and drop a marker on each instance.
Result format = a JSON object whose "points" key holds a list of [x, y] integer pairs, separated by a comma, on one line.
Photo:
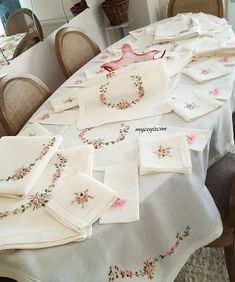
{"points": [[164, 154], [180, 27], [204, 71], [193, 105], [124, 179], [22, 162]]}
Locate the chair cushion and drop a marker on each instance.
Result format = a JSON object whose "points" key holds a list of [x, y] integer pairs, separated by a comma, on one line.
{"points": [[219, 181]]}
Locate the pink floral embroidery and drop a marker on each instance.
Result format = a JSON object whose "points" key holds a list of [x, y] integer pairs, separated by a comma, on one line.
{"points": [[149, 265], [39, 200], [225, 59], [215, 91], [205, 71], [192, 106], [78, 81], [120, 202], [162, 152], [191, 138], [44, 117], [82, 198], [69, 100], [101, 142], [24, 170]]}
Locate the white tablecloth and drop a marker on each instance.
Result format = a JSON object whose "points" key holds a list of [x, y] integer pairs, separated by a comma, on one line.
{"points": [[177, 216]]}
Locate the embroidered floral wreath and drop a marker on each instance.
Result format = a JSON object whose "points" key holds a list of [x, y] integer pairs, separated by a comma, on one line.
{"points": [[123, 104]]}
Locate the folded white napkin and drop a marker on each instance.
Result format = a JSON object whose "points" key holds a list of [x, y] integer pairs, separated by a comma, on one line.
{"points": [[25, 224], [115, 49], [129, 93], [215, 91], [138, 33], [193, 105], [164, 154], [75, 81], [196, 138], [50, 117], [205, 71], [35, 129], [22, 161], [176, 61], [122, 178], [179, 27], [227, 60], [81, 202], [68, 100]]}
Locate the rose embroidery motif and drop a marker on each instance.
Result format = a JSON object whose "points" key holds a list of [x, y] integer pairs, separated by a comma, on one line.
{"points": [[44, 117], [191, 106], [205, 71], [101, 142], [149, 265], [191, 138], [163, 152], [120, 202], [215, 91], [225, 59], [69, 100], [81, 198]]}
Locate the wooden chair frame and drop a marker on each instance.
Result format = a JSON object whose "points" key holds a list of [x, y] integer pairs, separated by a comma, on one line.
{"points": [[61, 34], [29, 13], [9, 127], [27, 41], [172, 4]]}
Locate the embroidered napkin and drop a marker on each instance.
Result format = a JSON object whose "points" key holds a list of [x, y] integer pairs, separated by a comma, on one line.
{"points": [[35, 129], [165, 154], [75, 81], [81, 202], [205, 71], [67, 101], [193, 105], [179, 27], [226, 60], [130, 93], [115, 48], [196, 138], [122, 178], [22, 161], [50, 117], [215, 91], [25, 224]]}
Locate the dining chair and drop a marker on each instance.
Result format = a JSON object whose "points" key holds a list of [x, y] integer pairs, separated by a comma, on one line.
{"points": [[213, 7], [23, 20], [220, 181], [74, 49], [20, 96]]}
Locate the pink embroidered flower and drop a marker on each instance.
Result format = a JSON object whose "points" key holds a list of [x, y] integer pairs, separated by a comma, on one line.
{"points": [[44, 117], [126, 273], [120, 202], [21, 172], [162, 152], [191, 138], [82, 198], [205, 71], [78, 81], [215, 91], [192, 106], [123, 104], [225, 59], [97, 143], [69, 100], [149, 267], [39, 200], [171, 251]]}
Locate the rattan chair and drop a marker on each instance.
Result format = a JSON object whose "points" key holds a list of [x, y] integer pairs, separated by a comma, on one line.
{"points": [[74, 49], [220, 181], [23, 20], [213, 7], [20, 96]]}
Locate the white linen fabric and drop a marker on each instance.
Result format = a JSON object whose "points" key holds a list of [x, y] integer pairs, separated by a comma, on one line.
{"points": [[122, 178], [193, 105], [50, 117], [197, 139], [24, 224], [226, 60], [35, 129], [115, 48], [81, 202], [121, 91], [23, 160], [68, 100], [164, 154], [215, 91], [176, 61], [205, 71], [180, 27]]}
